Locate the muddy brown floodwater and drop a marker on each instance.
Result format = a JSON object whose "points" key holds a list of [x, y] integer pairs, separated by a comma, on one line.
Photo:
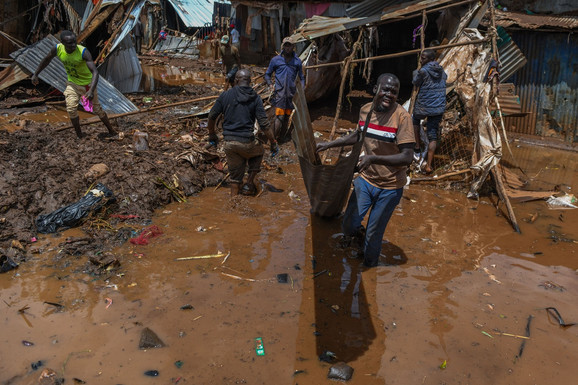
{"points": [[450, 307]]}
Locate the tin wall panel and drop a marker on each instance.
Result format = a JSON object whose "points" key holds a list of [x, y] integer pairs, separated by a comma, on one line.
{"points": [[55, 75], [547, 85]]}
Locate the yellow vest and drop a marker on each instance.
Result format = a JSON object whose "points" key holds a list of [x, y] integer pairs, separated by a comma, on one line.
{"points": [[76, 68]]}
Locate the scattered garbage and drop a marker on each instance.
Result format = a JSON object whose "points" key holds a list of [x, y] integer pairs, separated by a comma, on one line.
{"points": [[218, 255], [340, 371], [48, 377], [72, 215], [549, 285], [149, 339], [187, 307], [327, 356], [179, 364], [292, 195], [104, 260], [96, 171], [444, 364], [554, 312], [36, 365], [145, 235], [7, 264], [151, 373], [27, 343], [282, 278], [259, 347], [140, 141], [523, 344], [566, 201]]}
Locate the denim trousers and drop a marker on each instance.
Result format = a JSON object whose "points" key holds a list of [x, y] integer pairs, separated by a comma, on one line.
{"points": [[382, 203]]}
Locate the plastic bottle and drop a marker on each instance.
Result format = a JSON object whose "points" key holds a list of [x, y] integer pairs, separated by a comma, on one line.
{"points": [[140, 141]]}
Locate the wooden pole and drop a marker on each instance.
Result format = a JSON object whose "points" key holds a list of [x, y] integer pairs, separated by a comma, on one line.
{"points": [[344, 73], [415, 90], [114, 116], [496, 172], [399, 54]]}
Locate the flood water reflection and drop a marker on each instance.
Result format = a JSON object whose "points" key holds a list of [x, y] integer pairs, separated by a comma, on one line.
{"points": [[156, 77]]}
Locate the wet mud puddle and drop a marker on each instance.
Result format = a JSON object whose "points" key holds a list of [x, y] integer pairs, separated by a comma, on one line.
{"points": [[156, 77], [451, 306]]}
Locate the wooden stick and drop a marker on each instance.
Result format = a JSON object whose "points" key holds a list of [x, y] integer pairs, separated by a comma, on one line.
{"points": [[114, 116], [435, 177], [497, 172], [222, 180], [512, 335], [415, 90], [345, 72], [399, 54]]}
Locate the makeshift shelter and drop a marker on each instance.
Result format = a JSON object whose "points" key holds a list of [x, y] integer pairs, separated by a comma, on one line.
{"points": [[470, 59], [548, 85]]}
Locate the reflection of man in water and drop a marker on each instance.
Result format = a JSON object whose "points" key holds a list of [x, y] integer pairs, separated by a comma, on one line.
{"points": [[82, 79], [388, 148], [138, 33]]}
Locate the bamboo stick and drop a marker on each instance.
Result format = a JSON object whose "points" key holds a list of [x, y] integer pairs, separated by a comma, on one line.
{"points": [[399, 54], [345, 72], [436, 177], [415, 90], [496, 171], [115, 116]]}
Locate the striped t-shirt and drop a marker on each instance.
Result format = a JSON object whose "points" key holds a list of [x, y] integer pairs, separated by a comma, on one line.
{"points": [[385, 131]]}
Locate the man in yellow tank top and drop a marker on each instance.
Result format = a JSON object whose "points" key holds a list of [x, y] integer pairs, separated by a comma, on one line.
{"points": [[82, 79]]}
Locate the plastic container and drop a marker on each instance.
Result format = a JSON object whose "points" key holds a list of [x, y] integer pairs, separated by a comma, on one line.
{"points": [[140, 141]]}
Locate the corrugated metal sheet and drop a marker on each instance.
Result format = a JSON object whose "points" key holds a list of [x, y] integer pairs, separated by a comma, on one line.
{"points": [[177, 44], [55, 75], [128, 25], [547, 85], [371, 7], [11, 75], [318, 26], [122, 68], [511, 58], [508, 19], [194, 13]]}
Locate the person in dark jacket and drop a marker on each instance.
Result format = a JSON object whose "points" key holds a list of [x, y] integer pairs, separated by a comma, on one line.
{"points": [[241, 106], [431, 101], [286, 66]]}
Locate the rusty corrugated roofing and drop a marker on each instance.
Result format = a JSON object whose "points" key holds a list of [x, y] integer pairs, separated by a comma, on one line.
{"points": [[508, 19], [55, 75], [318, 26]]}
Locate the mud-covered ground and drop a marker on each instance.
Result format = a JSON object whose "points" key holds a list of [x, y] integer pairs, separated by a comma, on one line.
{"points": [[45, 167], [462, 298]]}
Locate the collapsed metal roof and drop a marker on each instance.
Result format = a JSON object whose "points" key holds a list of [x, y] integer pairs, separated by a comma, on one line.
{"points": [[54, 74], [508, 19], [194, 13], [318, 26], [370, 7]]}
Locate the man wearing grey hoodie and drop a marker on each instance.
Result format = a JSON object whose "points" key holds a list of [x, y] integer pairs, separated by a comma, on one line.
{"points": [[240, 107], [431, 101]]}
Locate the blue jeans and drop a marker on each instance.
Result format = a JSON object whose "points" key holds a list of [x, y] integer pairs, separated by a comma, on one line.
{"points": [[382, 203]]}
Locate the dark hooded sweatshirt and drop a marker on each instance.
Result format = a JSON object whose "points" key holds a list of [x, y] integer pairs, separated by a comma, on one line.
{"points": [[431, 99], [240, 106]]}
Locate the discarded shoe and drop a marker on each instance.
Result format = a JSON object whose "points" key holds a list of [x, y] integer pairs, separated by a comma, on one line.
{"points": [[249, 190]]}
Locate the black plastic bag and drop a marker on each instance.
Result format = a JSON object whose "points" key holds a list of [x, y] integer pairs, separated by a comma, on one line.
{"points": [[71, 215], [7, 264]]}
